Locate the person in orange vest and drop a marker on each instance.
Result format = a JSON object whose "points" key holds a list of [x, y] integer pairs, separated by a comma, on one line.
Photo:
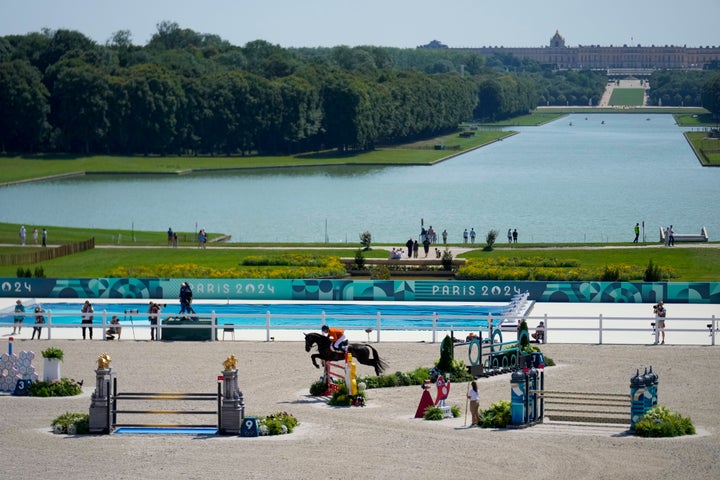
{"points": [[337, 337]]}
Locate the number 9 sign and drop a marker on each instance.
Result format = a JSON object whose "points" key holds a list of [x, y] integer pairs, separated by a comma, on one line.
{"points": [[249, 427]]}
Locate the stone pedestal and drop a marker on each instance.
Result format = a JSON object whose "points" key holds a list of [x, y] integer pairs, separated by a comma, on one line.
{"points": [[233, 405], [100, 421]]}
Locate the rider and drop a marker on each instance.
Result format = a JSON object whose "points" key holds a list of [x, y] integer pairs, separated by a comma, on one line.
{"points": [[337, 336]]}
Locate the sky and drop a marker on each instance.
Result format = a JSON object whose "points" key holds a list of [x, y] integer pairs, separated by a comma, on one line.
{"points": [[387, 23]]}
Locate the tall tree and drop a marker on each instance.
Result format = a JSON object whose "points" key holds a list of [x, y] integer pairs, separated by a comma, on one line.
{"points": [[25, 106]]}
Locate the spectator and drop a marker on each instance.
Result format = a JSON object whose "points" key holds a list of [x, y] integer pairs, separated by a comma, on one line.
{"points": [[115, 329], [539, 334], [39, 320], [87, 318]]}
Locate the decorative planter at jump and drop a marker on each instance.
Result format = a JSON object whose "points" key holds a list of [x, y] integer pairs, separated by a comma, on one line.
{"points": [[51, 369]]}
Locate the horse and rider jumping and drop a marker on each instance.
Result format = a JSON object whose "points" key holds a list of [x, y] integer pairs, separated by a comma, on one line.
{"points": [[361, 352]]}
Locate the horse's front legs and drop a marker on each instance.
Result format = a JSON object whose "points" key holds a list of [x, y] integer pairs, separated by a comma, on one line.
{"points": [[314, 357]]}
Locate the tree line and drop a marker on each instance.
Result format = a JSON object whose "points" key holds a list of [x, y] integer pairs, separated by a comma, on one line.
{"points": [[190, 93]]}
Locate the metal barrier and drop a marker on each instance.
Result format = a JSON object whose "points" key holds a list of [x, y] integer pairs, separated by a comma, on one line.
{"points": [[114, 411], [585, 406]]}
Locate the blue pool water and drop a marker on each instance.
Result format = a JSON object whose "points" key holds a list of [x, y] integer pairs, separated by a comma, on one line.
{"points": [[289, 315]]}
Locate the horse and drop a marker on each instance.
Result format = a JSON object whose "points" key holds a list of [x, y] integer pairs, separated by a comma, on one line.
{"points": [[362, 352]]}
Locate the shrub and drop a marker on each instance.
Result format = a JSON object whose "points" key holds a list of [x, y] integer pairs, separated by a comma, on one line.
{"points": [[278, 424], [359, 260], [318, 388], [490, 238], [497, 416], [433, 413], [447, 260], [444, 365], [381, 272], [653, 273], [53, 352], [71, 423], [65, 387], [455, 410], [661, 422], [365, 240]]}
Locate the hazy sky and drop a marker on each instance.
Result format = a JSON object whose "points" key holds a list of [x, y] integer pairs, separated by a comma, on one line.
{"points": [[392, 23]]}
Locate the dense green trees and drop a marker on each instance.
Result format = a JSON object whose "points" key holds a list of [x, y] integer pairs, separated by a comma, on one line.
{"points": [[191, 93], [711, 95], [678, 88]]}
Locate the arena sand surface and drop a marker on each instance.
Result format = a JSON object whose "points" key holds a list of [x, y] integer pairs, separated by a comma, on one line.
{"points": [[381, 440]]}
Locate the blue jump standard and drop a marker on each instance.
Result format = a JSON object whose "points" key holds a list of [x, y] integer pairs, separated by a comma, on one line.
{"points": [[166, 431]]}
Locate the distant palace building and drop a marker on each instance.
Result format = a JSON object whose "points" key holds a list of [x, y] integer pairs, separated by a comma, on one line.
{"points": [[595, 57]]}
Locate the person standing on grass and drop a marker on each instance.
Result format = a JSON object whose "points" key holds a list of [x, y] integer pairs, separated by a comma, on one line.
{"points": [[474, 396], [44, 237], [637, 232]]}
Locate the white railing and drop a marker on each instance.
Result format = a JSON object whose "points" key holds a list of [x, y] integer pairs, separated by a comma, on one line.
{"points": [[598, 329]]}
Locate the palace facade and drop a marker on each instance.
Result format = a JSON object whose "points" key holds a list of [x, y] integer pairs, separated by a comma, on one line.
{"points": [[593, 57]]}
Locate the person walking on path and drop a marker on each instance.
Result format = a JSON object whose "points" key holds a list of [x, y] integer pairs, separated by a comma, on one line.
{"points": [[474, 396], [44, 237], [19, 317], [637, 232], [510, 235], [23, 235], [415, 249], [426, 246], [87, 318], [472, 235], [444, 236], [515, 235], [409, 246], [465, 236]]}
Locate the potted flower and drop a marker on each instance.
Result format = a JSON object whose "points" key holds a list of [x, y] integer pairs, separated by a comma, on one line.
{"points": [[51, 368]]}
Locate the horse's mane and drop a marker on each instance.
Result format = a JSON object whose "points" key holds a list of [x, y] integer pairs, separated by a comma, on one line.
{"points": [[318, 338]]}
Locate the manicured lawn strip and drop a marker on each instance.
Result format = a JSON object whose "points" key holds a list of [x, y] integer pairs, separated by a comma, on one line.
{"points": [[21, 168], [673, 110], [694, 119], [99, 262], [690, 264], [627, 97], [706, 149], [530, 120]]}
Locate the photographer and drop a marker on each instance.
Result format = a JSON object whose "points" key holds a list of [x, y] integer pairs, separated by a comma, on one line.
{"points": [[660, 314]]}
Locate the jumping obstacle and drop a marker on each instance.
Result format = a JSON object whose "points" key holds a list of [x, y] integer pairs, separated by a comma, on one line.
{"points": [[585, 406], [492, 356], [340, 371], [530, 403], [127, 397], [105, 401]]}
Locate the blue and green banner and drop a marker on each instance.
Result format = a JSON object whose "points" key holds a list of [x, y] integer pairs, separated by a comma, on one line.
{"points": [[363, 290]]}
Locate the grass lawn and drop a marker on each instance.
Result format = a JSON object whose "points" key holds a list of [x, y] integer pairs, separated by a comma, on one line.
{"points": [[695, 119], [19, 168], [690, 264], [706, 149], [627, 97], [537, 117]]}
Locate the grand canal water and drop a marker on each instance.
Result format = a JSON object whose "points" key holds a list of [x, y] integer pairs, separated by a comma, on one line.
{"points": [[581, 178]]}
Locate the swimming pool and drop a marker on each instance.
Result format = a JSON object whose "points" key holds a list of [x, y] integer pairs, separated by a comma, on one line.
{"points": [[288, 315]]}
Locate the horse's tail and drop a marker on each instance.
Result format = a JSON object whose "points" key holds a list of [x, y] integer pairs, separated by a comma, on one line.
{"points": [[380, 365]]}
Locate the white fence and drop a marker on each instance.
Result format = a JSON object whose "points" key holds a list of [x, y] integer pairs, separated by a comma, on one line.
{"points": [[598, 329]]}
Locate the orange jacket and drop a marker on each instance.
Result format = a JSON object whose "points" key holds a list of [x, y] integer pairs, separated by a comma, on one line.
{"points": [[335, 333]]}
